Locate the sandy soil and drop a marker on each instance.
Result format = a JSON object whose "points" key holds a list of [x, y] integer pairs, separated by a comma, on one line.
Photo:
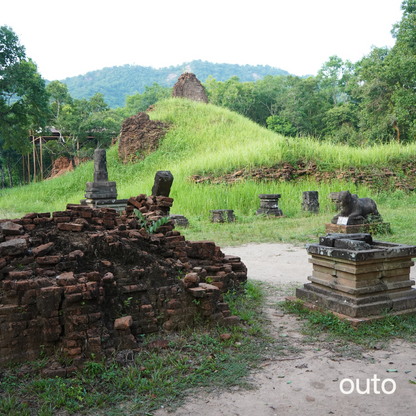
{"points": [[310, 381]]}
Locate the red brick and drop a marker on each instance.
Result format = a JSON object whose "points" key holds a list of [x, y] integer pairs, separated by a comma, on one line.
{"points": [[41, 250], [48, 260], [134, 202], [31, 215], [65, 279], [70, 227], [62, 219], [29, 227], [21, 275], [123, 323], [11, 228]]}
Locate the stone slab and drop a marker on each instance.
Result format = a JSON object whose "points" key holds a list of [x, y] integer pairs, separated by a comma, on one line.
{"points": [[372, 304], [374, 228], [353, 321]]}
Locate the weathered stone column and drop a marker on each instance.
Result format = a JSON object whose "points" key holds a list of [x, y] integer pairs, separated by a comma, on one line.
{"points": [[163, 183], [101, 189], [269, 205], [310, 202], [222, 215]]}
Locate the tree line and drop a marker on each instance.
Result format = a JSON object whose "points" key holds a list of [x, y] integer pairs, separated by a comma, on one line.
{"points": [[359, 104], [117, 82], [370, 101]]}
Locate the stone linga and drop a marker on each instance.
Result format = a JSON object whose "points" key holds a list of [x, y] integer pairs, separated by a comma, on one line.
{"points": [[101, 188]]}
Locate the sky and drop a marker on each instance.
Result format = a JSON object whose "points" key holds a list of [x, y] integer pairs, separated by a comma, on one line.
{"points": [[74, 37]]}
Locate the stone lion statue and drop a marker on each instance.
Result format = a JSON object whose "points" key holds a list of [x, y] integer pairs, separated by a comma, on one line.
{"points": [[358, 210]]}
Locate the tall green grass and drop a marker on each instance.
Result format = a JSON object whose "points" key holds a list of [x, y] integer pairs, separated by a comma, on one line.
{"points": [[205, 139]]}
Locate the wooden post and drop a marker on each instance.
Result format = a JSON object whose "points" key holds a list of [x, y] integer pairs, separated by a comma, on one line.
{"points": [[34, 160], [41, 158], [24, 173], [28, 167]]}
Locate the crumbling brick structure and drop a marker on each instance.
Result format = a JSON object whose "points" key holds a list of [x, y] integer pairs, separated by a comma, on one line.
{"points": [[85, 282], [139, 136], [188, 86]]}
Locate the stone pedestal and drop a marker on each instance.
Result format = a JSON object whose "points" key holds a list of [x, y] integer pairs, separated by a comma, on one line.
{"points": [[373, 228], [356, 276], [222, 215], [101, 192], [269, 205], [310, 202], [179, 220]]}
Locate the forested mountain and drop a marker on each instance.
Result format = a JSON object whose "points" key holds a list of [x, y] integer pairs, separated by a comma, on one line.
{"points": [[117, 82]]}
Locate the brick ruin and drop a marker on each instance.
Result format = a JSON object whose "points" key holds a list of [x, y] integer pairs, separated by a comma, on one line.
{"points": [[139, 136], [188, 86], [86, 282]]}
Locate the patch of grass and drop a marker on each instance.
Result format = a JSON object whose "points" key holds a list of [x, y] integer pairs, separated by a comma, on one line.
{"points": [[205, 139], [366, 334], [139, 382]]}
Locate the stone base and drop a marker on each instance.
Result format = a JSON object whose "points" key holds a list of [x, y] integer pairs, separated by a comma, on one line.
{"points": [[179, 220], [272, 211], [314, 208], [312, 306], [222, 215], [374, 228], [357, 307], [118, 204], [101, 190]]}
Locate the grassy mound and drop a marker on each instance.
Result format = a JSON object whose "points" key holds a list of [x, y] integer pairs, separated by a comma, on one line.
{"points": [[209, 140]]}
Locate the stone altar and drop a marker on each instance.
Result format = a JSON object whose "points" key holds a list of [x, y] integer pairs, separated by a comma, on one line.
{"points": [[358, 277]]}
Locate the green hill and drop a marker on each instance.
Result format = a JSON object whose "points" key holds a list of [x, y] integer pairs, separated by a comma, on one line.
{"points": [[209, 140], [118, 81]]}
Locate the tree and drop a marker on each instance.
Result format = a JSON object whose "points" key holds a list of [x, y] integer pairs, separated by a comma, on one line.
{"points": [[23, 97], [83, 124], [385, 87], [280, 125], [141, 102]]}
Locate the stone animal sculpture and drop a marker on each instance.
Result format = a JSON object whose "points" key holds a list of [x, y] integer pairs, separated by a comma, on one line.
{"points": [[358, 210]]}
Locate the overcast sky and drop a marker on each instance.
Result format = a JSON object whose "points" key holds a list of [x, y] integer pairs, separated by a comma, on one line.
{"points": [[73, 37]]}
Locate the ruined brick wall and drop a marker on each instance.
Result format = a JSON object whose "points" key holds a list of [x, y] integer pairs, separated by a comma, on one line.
{"points": [[188, 86], [86, 281], [139, 136]]}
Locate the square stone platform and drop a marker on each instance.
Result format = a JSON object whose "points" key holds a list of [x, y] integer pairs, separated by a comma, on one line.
{"points": [[358, 277], [374, 228]]}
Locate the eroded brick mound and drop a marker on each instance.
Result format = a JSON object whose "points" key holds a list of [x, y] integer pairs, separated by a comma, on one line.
{"points": [[139, 136], [86, 282], [63, 165], [188, 86], [403, 178]]}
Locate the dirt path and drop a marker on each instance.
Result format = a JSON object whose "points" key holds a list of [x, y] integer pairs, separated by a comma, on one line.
{"points": [[309, 381]]}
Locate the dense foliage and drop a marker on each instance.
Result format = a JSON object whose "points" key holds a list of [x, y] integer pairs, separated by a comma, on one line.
{"points": [[361, 104], [117, 82], [370, 101], [23, 100]]}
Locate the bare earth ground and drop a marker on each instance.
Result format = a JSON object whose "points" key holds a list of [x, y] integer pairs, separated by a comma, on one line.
{"points": [[308, 381]]}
